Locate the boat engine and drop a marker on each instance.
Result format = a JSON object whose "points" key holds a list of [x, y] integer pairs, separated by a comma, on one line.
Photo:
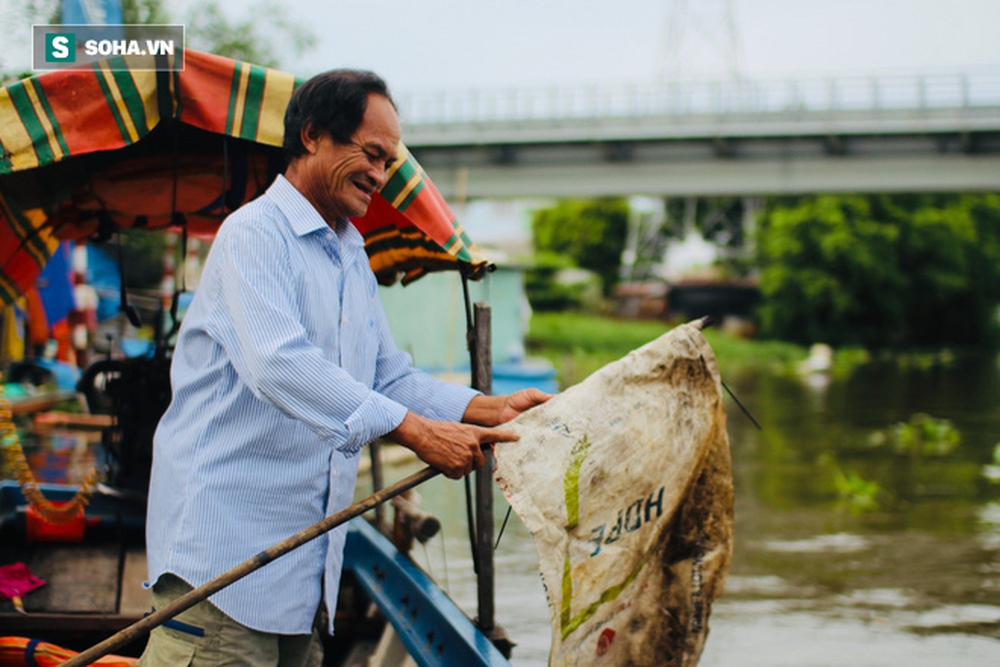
{"points": [[136, 393]]}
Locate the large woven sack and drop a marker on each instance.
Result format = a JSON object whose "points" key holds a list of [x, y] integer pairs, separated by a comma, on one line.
{"points": [[625, 482]]}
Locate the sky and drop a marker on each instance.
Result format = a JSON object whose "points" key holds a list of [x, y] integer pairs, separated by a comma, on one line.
{"points": [[462, 44], [457, 44]]}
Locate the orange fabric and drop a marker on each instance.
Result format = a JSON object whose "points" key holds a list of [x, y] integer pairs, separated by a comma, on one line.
{"points": [[202, 102], [38, 325], [62, 333], [77, 101], [14, 652]]}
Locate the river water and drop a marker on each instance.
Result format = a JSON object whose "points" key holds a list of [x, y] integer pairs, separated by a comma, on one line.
{"points": [[898, 563], [849, 549]]}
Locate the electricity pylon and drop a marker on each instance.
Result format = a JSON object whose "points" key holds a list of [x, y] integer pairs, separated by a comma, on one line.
{"points": [[700, 40]]}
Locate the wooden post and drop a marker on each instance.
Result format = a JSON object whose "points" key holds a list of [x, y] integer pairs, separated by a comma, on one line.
{"points": [[482, 379], [375, 452]]}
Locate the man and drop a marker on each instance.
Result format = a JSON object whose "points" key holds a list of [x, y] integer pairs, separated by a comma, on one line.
{"points": [[284, 368]]}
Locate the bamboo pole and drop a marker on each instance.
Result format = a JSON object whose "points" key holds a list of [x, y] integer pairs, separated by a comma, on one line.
{"points": [[195, 596]]}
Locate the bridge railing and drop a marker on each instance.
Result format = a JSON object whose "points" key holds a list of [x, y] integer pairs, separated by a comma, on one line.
{"points": [[721, 98]]}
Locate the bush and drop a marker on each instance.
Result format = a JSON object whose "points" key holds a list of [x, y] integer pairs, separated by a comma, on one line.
{"points": [[882, 271], [590, 234]]}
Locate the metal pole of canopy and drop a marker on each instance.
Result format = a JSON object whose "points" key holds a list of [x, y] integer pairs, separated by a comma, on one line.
{"points": [[481, 528], [482, 379], [470, 334]]}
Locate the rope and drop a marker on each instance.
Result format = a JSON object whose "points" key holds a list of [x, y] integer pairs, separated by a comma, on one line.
{"points": [[16, 462]]}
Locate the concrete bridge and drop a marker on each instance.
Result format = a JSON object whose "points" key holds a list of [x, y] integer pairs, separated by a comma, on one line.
{"points": [[915, 132]]}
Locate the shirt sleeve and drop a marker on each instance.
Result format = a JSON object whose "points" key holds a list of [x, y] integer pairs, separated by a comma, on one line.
{"points": [[422, 393], [258, 325]]}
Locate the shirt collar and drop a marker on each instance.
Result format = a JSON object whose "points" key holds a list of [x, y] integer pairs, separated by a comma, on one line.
{"points": [[303, 218]]}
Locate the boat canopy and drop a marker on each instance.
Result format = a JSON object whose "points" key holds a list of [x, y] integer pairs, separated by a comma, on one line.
{"points": [[127, 143]]}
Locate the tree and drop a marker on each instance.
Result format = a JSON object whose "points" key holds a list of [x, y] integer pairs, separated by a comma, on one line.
{"points": [[590, 233], [209, 29], [144, 12], [880, 271], [17, 17]]}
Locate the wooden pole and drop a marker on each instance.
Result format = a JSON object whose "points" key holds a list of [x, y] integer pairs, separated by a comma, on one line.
{"points": [[375, 452], [195, 596], [482, 379]]}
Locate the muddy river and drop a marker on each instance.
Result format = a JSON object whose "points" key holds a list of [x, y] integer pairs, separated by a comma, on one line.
{"points": [[867, 524]]}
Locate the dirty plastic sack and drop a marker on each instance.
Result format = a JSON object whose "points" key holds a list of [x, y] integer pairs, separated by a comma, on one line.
{"points": [[624, 480]]}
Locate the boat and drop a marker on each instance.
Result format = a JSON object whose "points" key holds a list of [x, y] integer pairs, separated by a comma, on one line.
{"points": [[129, 142], [94, 588]]}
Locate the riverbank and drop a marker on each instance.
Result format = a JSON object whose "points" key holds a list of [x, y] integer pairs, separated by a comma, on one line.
{"points": [[578, 344]]}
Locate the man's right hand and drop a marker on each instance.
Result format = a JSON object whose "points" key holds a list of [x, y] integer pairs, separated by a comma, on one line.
{"points": [[454, 449]]}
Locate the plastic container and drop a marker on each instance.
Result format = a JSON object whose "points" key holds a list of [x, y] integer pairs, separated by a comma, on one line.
{"points": [[40, 530]]}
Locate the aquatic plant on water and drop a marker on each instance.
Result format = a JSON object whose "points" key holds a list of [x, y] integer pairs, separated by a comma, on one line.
{"points": [[856, 492], [922, 435]]}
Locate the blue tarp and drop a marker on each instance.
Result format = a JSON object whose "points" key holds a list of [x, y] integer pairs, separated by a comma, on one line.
{"points": [[55, 285], [103, 275], [508, 378]]}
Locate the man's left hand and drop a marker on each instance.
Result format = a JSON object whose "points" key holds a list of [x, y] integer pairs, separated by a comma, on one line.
{"points": [[494, 410]]}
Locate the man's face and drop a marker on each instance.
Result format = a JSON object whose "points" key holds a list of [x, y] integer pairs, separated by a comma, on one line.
{"points": [[340, 179]]}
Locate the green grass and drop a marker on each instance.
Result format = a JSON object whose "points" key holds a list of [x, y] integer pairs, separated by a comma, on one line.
{"points": [[578, 344]]}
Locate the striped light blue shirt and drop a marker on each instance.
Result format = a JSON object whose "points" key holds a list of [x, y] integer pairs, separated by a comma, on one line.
{"points": [[284, 368]]}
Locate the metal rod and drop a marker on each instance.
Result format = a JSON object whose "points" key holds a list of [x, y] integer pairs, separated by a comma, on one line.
{"points": [[195, 596], [470, 344], [741, 406], [482, 379]]}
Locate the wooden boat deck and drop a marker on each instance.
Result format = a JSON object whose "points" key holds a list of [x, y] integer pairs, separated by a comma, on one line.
{"points": [[93, 589]]}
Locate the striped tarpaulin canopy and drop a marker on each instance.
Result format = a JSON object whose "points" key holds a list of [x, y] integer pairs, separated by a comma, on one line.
{"points": [[115, 144]]}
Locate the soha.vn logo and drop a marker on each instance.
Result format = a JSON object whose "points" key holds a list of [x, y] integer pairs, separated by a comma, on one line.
{"points": [[61, 47]]}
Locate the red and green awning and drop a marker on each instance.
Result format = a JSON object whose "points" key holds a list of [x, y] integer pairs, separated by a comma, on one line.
{"points": [[87, 150]]}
